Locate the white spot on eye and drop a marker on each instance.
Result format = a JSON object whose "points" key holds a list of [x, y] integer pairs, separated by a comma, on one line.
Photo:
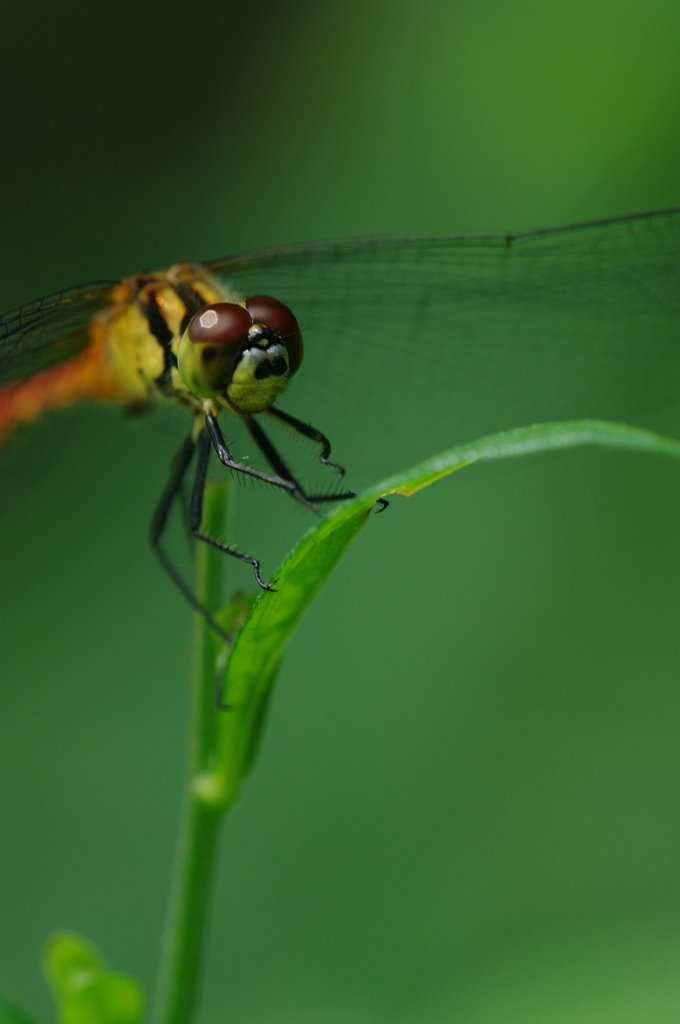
{"points": [[208, 319]]}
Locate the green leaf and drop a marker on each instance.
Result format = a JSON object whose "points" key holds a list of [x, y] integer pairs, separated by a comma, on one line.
{"points": [[259, 646], [85, 991], [255, 657], [67, 959], [541, 437]]}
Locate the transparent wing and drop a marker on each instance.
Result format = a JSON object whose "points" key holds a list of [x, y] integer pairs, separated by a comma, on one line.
{"points": [[414, 344], [48, 330]]}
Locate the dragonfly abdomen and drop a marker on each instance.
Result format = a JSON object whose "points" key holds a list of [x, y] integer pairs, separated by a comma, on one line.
{"points": [[89, 374]]}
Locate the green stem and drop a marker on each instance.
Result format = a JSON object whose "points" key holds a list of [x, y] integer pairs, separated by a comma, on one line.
{"points": [[181, 958]]}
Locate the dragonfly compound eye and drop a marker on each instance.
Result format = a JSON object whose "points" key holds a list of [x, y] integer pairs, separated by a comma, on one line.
{"points": [[242, 355], [211, 347], [279, 319]]}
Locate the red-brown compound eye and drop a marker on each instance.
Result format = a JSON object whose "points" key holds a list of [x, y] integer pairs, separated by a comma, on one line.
{"points": [[275, 315], [223, 323], [211, 348], [272, 313]]}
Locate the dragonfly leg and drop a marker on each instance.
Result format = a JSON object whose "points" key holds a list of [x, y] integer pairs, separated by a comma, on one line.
{"points": [[277, 463], [158, 523], [307, 430], [226, 458], [205, 445]]}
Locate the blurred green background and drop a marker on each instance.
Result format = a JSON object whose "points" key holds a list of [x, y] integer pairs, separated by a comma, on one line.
{"points": [[466, 808]]}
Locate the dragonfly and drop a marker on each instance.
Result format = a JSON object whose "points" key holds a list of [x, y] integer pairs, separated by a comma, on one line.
{"points": [[410, 345]]}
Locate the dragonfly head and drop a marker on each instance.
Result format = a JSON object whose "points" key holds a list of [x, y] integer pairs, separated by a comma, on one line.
{"points": [[241, 354]]}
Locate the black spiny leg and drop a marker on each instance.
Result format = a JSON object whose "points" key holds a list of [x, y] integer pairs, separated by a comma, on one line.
{"points": [[273, 457], [227, 459], [211, 437], [205, 445], [158, 523], [307, 430]]}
